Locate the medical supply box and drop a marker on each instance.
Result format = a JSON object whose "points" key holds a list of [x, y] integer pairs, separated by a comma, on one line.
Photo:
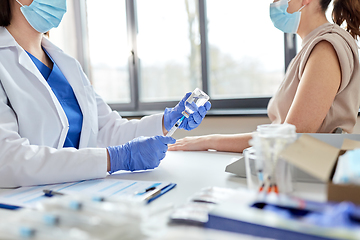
{"points": [[319, 159]]}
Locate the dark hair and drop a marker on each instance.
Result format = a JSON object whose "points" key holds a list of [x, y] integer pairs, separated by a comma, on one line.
{"points": [[345, 11], [5, 13]]}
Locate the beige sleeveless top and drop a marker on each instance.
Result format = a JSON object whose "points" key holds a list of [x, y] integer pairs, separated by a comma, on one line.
{"points": [[344, 110]]}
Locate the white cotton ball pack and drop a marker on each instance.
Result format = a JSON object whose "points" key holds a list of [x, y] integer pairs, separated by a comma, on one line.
{"points": [[348, 168]]}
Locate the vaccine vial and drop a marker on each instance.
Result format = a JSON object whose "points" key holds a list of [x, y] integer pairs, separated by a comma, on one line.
{"points": [[195, 100]]}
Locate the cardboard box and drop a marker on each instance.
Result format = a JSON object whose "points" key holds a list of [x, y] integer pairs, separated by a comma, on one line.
{"points": [[319, 159]]}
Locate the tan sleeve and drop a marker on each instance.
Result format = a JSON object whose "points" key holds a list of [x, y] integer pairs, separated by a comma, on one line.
{"points": [[343, 51]]}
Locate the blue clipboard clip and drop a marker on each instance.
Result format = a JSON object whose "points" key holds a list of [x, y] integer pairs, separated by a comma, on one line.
{"points": [[161, 192]]}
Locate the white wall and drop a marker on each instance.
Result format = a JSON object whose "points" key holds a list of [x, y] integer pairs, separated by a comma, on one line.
{"points": [[228, 125], [224, 125]]}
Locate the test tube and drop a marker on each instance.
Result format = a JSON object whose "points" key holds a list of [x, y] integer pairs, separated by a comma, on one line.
{"points": [[193, 102]]}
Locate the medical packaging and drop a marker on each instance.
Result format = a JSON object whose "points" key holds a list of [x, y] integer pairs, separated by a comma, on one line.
{"points": [[320, 160], [81, 217], [212, 195], [105, 220], [285, 217], [195, 210], [16, 228]]}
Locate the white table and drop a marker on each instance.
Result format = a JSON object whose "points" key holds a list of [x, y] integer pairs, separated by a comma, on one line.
{"points": [[195, 170], [192, 171]]}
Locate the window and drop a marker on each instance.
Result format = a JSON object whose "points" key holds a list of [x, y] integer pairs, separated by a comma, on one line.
{"points": [[109, 50], [246, 52], [146, 54], [64, 36], [168, 43]]}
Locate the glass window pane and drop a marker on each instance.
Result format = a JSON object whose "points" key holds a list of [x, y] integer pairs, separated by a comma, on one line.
{"points": [[246, 52], [169, 48], [64, 36], [109, 49]]}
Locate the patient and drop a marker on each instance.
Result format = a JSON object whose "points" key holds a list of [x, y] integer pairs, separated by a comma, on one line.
{"points": [[321, 88]]}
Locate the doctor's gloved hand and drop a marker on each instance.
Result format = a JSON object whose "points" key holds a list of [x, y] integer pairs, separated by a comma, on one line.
{"points": [[139, 154], [172, 115]]}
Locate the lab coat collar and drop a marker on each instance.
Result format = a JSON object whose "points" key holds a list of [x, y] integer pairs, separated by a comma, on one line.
{"points": [[6, 39], [49, 46], [70, 69]]}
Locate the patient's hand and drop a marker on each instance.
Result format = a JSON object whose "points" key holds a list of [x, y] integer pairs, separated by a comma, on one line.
{"points": [[201, 143]]}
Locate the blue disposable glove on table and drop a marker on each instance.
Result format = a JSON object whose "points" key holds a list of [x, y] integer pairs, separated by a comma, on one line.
{"points": [[139, 154], [172, 115]]}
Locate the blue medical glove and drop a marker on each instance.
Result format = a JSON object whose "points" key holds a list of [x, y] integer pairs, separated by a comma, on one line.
{"points": [[172, 115], [139, 154]]}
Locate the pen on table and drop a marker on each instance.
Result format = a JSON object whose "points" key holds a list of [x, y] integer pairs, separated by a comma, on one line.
{"points": [[152, 194], [51, 193], [145, 191], [162, 191]]}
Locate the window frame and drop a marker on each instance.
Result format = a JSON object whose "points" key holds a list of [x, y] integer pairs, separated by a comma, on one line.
{"points": [[250, 105]]}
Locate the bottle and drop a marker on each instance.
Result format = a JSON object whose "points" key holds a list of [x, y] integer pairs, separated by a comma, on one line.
{"points": [[195, 100]]}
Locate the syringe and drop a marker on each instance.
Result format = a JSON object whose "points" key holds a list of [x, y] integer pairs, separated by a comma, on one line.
{"points": [[176, 126]]}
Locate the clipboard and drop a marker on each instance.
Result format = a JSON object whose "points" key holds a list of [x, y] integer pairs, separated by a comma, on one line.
{"points": [[108, 187]]}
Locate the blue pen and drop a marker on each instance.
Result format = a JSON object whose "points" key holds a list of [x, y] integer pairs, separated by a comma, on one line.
{"points": [[51, 193], [150, 188], [162, 191]]}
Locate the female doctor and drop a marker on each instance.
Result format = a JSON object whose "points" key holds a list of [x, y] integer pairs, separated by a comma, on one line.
{"points": [[53, 126]]}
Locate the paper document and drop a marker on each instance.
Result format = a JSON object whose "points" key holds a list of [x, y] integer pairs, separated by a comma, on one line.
{"points": [[29, 196]]}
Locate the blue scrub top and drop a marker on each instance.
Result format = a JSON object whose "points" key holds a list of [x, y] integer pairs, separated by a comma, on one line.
{"points": [[65, 94]]}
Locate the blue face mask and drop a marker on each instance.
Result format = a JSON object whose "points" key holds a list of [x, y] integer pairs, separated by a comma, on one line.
{"points": [[44, 15], [282, 20]]}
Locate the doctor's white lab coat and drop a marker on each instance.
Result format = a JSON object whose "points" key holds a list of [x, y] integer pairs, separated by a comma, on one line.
{"points": [[33, 125]]}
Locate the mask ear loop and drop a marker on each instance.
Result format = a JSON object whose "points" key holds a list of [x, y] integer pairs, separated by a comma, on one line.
{"points": [[19, 3], [288, 2], [301, 8]]}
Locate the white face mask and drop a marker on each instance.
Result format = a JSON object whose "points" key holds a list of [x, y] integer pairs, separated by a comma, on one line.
{"points": [[282, 20]]}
